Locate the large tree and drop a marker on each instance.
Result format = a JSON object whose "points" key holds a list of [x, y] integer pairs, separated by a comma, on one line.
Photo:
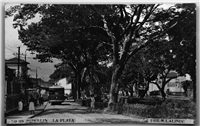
{"points": [[183, 36], [125, 28], [140, 71], [131, 28], [175, 51], [63, 32]]}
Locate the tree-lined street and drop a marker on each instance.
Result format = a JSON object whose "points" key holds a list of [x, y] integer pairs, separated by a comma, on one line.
{"points": [[71, 110], [115, 52]]}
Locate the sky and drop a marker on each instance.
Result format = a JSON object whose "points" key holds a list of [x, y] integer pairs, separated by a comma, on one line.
{"points": [[11, 46]]}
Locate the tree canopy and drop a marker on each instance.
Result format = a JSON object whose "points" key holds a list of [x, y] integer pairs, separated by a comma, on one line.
{"points": [[84, 36]]}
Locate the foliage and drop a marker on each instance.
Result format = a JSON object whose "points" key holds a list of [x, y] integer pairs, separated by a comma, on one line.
{"points": [[84, 35], [184, 42], [186, 85], [58, 33], [166, 53], [168, 109], [61, 72], [100, 105], [65, 32]]}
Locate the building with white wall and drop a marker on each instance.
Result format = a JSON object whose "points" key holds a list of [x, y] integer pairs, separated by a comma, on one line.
{"points": [[65, 83], [174, 85]]}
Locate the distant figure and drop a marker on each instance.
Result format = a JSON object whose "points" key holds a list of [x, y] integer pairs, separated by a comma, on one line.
{"points": [[88, 101], [105, 100], [41, 100], [167, 92], [20, 106], [92, 102], [32, 105]]}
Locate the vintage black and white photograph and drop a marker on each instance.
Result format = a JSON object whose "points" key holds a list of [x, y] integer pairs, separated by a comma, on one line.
{"points": [[125, 63]]}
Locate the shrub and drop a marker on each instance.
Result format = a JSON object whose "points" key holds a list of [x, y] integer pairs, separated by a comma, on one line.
{"points": [[151, 101], [133, 100], [168, 109], [100, 105]]}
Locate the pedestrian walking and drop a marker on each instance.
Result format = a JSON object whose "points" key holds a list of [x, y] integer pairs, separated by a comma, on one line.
{"points": [[167, 93], [32, 105], [20, 106], [92, 103]]}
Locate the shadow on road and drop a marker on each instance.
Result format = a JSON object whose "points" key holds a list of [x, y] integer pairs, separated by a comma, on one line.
{"points": [[70, 110]]}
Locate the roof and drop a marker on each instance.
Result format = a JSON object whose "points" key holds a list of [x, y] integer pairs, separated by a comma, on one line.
{"points": [[172, 74], [31, 89], [56, 86], [45, 84], [15, 61]]}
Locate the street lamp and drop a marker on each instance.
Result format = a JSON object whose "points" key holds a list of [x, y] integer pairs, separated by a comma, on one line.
{"points": [[25, 53]]}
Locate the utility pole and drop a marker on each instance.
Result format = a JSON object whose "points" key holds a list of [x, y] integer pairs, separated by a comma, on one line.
{"points": [[25, 57], [25, 62], [36, 78], [18, 61], [37, 75]]}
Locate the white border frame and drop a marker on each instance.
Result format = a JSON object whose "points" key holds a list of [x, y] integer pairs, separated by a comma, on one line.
{"points": [[2, 44]]}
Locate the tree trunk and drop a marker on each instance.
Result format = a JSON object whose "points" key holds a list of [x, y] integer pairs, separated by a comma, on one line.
{"points": [[77, 90], [114, 87], [74, 88], [131, 91], [163, 93], [78, 87], [112, 92], [185, 92]]}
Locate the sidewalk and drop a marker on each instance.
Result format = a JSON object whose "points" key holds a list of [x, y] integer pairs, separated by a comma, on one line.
{"points": [[26, 114]]}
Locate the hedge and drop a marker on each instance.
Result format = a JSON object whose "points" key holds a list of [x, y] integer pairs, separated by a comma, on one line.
{"points": [[167, 109]]}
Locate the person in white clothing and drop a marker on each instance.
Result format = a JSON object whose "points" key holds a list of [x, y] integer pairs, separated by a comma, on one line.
{"points": [[20, 106], [32, 105], [92, 102]]}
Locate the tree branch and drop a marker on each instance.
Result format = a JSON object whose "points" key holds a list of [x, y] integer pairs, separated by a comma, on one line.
{"points": [[72, 66], [157, 85], [150, 39], [128, 27]]}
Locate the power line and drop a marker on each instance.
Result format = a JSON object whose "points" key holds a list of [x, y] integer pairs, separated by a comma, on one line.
{"points": [[8, 55], [10, 48], [9, 51]]}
